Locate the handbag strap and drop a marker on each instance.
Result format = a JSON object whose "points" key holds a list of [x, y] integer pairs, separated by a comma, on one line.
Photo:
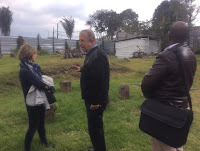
{"points": [[181, 64]]}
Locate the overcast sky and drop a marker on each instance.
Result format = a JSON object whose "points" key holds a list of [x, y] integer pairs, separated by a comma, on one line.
{"points": [[32, 17]]}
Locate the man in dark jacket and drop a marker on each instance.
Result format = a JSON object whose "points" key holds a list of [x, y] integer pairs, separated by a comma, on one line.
{"points": [[94, 86], [164, 80]]}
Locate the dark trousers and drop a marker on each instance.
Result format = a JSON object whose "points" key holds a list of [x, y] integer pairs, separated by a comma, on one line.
{"points": [[95, 127], [36, 115]]}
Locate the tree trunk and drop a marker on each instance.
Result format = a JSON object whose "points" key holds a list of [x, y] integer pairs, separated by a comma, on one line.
{"points": [[65, 86], [65, 55], [124, 91], [70, 55]]}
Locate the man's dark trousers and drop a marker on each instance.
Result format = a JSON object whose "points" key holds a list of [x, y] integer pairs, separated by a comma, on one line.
{"points": [[95, 127]]}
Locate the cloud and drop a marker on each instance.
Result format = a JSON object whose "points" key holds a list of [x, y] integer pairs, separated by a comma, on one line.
{"points": [[29, 18], [60, 10]]}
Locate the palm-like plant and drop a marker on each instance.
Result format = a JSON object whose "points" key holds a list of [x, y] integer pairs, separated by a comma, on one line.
{"points": [[5, 20], [68, 25]]}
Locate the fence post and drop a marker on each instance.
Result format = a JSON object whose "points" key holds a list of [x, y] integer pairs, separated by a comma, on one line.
{"points": [[103, 44], [114, 48], [53, 42], [0, 50]]}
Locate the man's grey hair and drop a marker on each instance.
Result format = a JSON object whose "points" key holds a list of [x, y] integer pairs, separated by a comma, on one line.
{"points": [[90, 34]]}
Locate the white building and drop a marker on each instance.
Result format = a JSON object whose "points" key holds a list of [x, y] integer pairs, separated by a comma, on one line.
{"points": [[126, 48]]}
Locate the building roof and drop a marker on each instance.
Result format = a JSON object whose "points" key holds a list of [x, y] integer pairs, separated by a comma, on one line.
{"points": [[138, 37]]}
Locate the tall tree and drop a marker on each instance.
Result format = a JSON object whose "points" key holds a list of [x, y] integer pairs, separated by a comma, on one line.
{"points": [[192, 12], [164, 16], [89, 23], [68, 25], [129, 21], [105, 21], [5, 20], [145, 28], [20, 41], [192, 9]]}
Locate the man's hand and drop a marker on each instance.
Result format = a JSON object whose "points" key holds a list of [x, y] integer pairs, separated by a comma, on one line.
{"points": [[77, 68], [94, 107]]}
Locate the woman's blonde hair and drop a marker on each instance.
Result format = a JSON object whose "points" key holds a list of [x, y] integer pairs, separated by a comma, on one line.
{"points": [[26, 52]]}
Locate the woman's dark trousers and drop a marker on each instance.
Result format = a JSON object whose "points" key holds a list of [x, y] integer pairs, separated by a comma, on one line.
{"points": [[95, 127], [36, 115]]}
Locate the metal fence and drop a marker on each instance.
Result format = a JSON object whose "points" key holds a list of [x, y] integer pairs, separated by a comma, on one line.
{"points": [[107, 45], [8, 43]]}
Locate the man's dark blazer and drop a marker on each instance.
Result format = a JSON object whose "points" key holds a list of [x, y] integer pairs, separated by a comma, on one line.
{"points": [[95, 75]]}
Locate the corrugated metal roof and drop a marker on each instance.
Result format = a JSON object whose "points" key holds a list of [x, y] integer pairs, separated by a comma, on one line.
{"points": [[139, 37]]}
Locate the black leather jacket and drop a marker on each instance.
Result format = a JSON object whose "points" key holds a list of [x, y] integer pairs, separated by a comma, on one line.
{"points": [[164, 80], [95, 76]]}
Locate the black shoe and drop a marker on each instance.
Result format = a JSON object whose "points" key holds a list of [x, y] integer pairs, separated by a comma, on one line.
{"points": [[91, 149], [49, 146]]}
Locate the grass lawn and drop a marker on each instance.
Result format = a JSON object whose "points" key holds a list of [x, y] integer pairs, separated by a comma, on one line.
{"points": [[68, 130]]}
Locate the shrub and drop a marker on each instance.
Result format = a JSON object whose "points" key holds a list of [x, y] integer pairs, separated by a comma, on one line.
{"points": [[197, 51], [20, 41], [15, 51], [42, 52]]}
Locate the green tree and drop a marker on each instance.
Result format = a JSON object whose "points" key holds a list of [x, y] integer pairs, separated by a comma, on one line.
{"points": [[129, 21], [20, 41], [145, 28], [164, 16], [68, 25], [5, 20], [192, 11], [89, 23], [106, 21]]}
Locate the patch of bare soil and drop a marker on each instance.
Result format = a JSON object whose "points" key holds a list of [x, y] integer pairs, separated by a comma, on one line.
{"points": [[57, 71], [118, 69], [69, 71]]}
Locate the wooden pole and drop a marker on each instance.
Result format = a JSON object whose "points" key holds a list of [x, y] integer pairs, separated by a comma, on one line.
{"points": [[53, 42]]}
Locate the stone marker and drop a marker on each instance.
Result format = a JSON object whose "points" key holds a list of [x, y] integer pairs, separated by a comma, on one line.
{"points": [[124, 91], [65, 86], [49, 114]]}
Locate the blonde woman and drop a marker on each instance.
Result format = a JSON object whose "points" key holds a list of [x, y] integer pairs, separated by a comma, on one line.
{"points": [[30, 75]]}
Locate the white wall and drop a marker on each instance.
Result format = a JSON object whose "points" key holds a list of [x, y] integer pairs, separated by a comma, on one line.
{"points": [[125, 49], [153, 46]]}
